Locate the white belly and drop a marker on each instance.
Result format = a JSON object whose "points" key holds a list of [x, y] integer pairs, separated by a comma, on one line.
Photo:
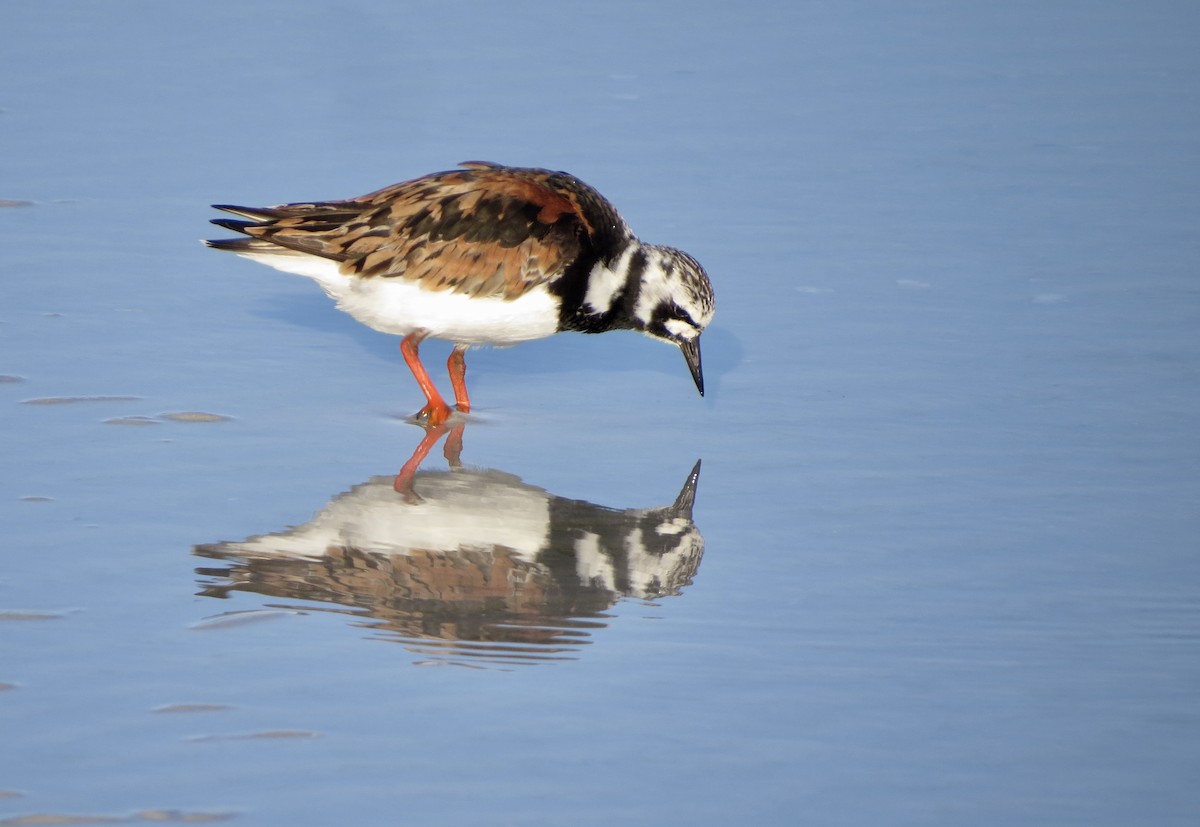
{"points": [[394, 305]]}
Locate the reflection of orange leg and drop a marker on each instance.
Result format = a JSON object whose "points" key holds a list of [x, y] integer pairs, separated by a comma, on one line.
{"points": [[436, 411], [454, 445], [404, 480], [458, 377]]}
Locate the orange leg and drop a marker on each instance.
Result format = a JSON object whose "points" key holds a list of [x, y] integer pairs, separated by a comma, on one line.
{"points": [[436, 411], [454, 446], [458, 377], [404, 480]]}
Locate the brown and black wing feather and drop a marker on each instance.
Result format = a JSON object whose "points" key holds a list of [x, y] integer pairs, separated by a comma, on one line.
{"points": [[486, 230]]}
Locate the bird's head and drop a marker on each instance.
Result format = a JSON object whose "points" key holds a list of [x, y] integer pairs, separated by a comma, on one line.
{"points": [[675, 303]]}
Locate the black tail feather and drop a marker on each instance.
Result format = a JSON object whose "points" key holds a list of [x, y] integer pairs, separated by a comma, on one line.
{"points": [[233, 224], [238, 245], [253, 213]]}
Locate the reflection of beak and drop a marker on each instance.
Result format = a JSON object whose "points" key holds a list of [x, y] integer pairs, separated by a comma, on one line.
{"points": [[687, 495], [691, 354]]}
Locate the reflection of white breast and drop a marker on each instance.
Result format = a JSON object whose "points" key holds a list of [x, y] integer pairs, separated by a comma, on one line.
{"points": [[461, 510]]}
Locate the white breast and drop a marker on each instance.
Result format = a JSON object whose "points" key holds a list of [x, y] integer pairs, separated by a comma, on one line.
{"points": [[398, 306], [394, 305]]}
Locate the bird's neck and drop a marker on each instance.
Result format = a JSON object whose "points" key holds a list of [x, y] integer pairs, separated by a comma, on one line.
{"points": [[611, 293]]}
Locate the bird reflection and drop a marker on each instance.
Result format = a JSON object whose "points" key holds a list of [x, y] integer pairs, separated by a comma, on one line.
{"points": [[471, 566]]}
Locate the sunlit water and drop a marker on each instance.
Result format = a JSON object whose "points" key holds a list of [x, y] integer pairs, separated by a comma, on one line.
{"points": [[939, 563]]}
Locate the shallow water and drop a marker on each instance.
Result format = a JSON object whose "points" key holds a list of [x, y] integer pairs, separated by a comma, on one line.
{"points": [[941, 565]]}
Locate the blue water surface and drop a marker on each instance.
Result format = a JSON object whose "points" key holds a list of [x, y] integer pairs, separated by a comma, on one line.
{"points": [[941, 565]]}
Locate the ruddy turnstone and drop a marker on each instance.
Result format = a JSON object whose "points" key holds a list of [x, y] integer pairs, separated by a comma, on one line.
{"points": [[485, 255]]}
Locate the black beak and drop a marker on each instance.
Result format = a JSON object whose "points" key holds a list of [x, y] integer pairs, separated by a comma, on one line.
{"points": [[691, 355]]}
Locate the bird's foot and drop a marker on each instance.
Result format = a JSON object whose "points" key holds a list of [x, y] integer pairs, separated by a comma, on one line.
{"points": [[433, 414]]}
